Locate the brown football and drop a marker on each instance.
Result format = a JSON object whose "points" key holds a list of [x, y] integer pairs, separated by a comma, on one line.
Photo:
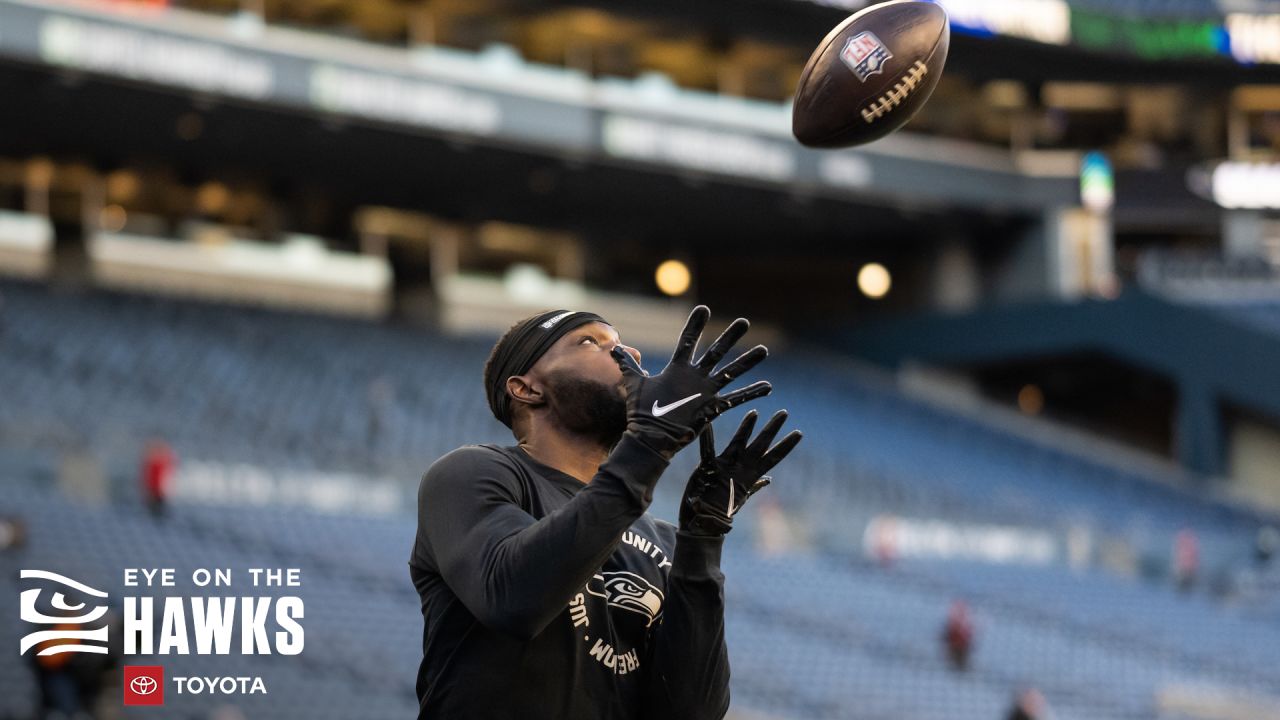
{"points": [[871, 74]]}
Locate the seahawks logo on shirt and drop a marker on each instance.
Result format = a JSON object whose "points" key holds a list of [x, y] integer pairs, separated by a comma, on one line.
{"points": [[628, 591]]}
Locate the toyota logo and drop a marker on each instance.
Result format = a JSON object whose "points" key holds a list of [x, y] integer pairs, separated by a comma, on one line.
{"points": [[143, 685]]}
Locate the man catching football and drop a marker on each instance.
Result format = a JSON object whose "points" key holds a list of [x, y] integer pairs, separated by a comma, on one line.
{"points": [[547, 590]]}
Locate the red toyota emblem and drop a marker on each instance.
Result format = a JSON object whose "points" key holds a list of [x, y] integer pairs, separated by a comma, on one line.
{"points": [[143, 685]]}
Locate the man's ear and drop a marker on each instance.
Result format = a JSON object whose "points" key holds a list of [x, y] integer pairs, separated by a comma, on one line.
{"points": [[524, 389]]}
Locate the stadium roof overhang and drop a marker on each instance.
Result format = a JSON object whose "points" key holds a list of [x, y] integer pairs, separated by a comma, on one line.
{"points": [[110, 125], [1207, 356], [459, 99]]}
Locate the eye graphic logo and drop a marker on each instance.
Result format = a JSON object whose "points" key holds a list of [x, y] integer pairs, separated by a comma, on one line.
{"points": [[143, 685], [61, 638], [628, 591]]}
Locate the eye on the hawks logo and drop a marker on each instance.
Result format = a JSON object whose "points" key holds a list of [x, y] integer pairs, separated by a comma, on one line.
{"points": [[865, 55], [65, 631], [628, 591]]}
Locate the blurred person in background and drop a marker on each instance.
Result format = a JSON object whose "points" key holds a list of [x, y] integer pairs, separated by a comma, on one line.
{"points": [[226, 712], [774, 535], [73, 684], [13, 533], [885, 540], [100, 674], [1265, 546], [381, 397], [547, 590], [157, 473], [1256, 580], [957, 635], [1186, 559], [56, 679], [1029, 704]]}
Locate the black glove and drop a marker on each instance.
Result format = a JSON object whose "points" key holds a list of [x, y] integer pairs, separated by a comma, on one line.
{"points": [[668, 410], [720, 486]]}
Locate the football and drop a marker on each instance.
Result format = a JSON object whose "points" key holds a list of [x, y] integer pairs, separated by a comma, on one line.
{"points": [[871, 74]]}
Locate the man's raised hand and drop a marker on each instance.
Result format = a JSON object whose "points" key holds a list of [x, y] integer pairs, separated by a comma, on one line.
{"points": [[667, 411], [722, 484]]}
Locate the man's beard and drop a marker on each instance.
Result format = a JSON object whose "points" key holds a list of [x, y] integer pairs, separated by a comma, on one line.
{"points": [[588, 408]]}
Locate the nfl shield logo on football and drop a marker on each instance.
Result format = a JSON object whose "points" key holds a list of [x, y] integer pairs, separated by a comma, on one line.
{"points": [[865, 55]]}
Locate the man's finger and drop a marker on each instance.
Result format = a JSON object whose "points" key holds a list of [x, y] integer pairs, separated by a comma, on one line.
{"points": [[707, 444], [757, 389], [741, 365], [759, 485], [781, 450], [689, 336], [767, 434], [743, 434], [723, 345], [626, 361]]}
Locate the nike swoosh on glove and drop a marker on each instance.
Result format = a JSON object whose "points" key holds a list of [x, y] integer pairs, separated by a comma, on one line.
{"points": [[667, 411], [722, 484]]}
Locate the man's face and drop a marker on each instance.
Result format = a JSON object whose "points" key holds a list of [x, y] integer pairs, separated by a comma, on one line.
{"points": [[582, 383]]}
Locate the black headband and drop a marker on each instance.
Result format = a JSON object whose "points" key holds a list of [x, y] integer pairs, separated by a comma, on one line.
{"points": [[521, 347]]}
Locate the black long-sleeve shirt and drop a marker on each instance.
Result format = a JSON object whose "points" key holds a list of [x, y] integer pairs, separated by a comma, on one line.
{"points": [[543, 597]]}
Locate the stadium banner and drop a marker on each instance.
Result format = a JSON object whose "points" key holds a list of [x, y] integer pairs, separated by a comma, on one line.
{"points": [[410, 89], [1248, 38], [890, 537], [217, 63], [1149, 38], [1045, 21], [1254, 38]]}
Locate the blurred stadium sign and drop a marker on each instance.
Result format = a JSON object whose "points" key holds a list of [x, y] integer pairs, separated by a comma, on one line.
{"points": [[26, 244], [203, 482], [137, 54], [1254, 38], [890, 536], [299, 273], [1247, 37], [1150, 38], [1238, 185], [698, 148], [1046, 21], [381, 96], [846, 170]]}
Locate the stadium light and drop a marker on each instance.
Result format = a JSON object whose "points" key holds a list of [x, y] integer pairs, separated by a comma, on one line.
{"points": [[39, 173], [874, 280], [212, 198], [122, 186], [112, 218], [672, 277], [1031, 399]]}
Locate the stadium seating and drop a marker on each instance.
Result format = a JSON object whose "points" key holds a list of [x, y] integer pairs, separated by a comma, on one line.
{"points": [[812, 635], [817, 633], [281, 389], [1264, 315]]}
